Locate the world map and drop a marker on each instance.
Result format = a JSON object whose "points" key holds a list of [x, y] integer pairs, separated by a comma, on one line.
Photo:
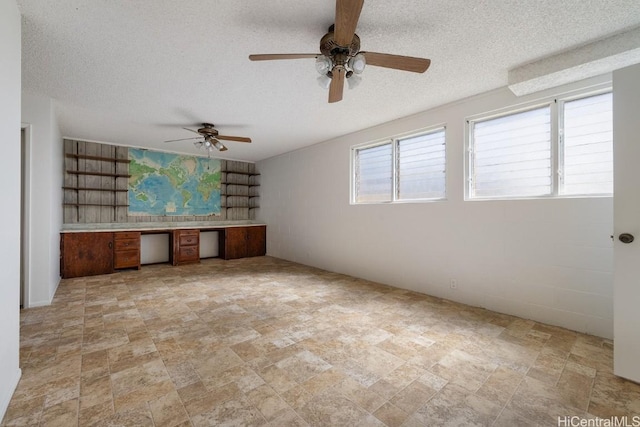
{"points": [[173, 184]]}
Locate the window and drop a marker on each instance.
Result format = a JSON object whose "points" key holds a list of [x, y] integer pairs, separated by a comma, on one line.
{"points": [[401, 169], [374, 171], [588, 146], [561, 148]]}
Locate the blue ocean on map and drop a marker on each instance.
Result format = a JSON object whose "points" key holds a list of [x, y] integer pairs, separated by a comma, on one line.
{"points": [[172, 184]]}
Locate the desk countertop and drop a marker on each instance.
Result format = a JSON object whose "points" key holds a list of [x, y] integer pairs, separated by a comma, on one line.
{"points": [[154, 226]]}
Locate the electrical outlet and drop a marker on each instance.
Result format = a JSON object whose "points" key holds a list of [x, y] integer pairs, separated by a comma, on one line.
{"points": [[453, 284]]}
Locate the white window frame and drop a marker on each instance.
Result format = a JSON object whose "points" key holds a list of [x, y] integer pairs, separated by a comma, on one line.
{"points": [[394, 171], [556, 104]]}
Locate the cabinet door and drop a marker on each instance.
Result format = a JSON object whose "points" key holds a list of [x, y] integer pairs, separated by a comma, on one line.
{"points": [[235, 242], [86, 254], [256, 240]]}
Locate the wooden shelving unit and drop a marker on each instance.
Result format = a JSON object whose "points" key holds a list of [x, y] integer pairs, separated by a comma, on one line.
{"points": [[241, 191], [95, 183]]}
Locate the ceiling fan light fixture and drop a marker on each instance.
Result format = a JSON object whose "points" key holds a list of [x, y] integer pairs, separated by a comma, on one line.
{"points": [[354, 81], [324, 81], [358, 63], [219, 145], [323, 64]]}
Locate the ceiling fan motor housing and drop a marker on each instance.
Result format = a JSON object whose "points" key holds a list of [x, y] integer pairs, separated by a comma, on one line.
{"points": [[207, 129], [329, 47], [339, 55]]}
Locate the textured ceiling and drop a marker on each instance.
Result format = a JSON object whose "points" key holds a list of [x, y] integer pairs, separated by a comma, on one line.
{"points": [[133, 72]]}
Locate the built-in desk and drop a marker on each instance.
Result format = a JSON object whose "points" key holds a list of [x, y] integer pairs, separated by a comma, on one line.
{"points": [[102, 249]]}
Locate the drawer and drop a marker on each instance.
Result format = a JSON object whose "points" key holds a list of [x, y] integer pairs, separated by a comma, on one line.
{"points": [[126, 259], [127, 235], [189, 239], [127, 244], [189, 253]]}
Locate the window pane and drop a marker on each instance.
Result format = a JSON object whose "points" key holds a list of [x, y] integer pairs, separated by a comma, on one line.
{"points": [[588, 146], [421, 167], [512, 155], [374, 173]]}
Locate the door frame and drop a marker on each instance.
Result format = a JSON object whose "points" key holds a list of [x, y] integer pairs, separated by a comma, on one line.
{"points": [[25, 233]]}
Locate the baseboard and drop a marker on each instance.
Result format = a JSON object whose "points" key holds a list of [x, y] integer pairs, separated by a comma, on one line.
{"points": [[6, 395], [44, 303], [53, 294], [38, 304]]}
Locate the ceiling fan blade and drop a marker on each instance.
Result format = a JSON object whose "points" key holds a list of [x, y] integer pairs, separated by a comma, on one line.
{"points": [[273, 56], [347, 15], [337, 84], [234, 138], [191, 130], [183, 139], [398, 62], [223, 148]]}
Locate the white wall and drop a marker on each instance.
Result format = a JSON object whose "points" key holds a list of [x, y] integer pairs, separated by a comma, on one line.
{"points": [[548, 260], [10, 212], [45, 197]]}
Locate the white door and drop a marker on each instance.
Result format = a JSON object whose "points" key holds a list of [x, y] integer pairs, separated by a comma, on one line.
{"points": [[626, 292]]}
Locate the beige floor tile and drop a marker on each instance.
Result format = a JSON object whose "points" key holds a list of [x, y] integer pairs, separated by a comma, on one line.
{"points": [[139, 416], [19, 408], [61, 415], [168, 411], [500, 385], [333, 409], [456, 406], [364, 397], [263, 341], [391, 415], [198, 399], [96, 413], [413, 397], [268, 402], [232, 412], [541, 402]]}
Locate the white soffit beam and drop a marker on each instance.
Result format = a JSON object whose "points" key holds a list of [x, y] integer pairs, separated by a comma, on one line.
{"points": [[593, 59]]}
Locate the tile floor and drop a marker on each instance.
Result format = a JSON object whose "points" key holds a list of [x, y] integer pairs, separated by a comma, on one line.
{"points": [[263, 341]]}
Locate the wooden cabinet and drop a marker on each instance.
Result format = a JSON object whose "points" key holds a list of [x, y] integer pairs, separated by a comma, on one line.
{"points": [[186, 247], [256, 240], [86, 254], [97, 252], [242, 242], [126, 250]]}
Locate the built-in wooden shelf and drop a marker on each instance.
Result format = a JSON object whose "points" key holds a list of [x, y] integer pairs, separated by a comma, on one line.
{"points": [[95, 204], [96, 189], [105, 159], [242, 173], [114, 175]]}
